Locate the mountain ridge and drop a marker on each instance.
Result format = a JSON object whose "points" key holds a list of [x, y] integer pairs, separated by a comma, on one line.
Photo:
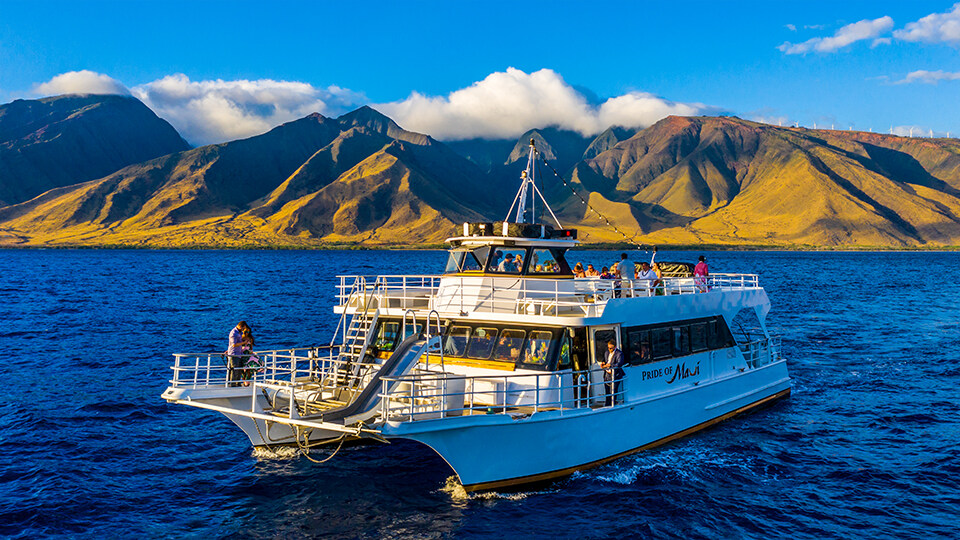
{"points": [[362, 179]]}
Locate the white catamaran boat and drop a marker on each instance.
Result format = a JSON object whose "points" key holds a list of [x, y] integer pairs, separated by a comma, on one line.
{"points": [[495, 364]]}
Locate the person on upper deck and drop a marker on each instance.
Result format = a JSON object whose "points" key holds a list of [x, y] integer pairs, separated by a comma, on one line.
{"points": [[605, 273], [625, 268], [647, 276], [700, 273], [578, 270], [626, 271], [591, 271]]}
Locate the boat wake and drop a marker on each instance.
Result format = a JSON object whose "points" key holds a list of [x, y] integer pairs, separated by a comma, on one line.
{"points": [[677, 465], [454, 489], [276, 452]]}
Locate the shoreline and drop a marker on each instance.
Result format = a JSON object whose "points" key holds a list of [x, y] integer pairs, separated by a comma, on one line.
{"points": [[444, 247]]}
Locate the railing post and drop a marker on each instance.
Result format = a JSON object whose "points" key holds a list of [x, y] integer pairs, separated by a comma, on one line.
{"points": [[505, 383], [536, 404]]}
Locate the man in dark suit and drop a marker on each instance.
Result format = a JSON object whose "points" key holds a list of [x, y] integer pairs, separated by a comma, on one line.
{"points": [[612, 371]]}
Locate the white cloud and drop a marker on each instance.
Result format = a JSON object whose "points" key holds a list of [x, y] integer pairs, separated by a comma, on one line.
{"points": [[849, 34], [934, 28], [215, 111], [81, 82], [506, 104], [791, 27], [929, 77]]}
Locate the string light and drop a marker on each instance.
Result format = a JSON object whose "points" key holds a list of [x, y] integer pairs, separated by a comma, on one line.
{"points": [[627, 239]]}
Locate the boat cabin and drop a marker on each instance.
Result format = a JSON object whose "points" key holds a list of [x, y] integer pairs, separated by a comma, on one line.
{"points": [[521, 249]]}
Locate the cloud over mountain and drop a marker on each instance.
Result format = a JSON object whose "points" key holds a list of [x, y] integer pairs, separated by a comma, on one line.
{"points": [[506, 104], [846, 35], [215, 111], [81, 82], [502, 105]]}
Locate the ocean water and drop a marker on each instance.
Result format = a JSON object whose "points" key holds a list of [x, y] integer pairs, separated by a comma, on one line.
{"points": [[865, 447]]}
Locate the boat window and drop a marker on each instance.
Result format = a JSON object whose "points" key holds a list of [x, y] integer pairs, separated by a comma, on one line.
{"points": [[542, 261], [386, 337], [409, 330], [507, 260], [746, 326], [509, 345], [462, 261], [564, 362], [638, 346], [538, 348], [660, 341], [456, 342], [655, 342], [698, 337], [681, 340], [482, 343], [600, 339]]}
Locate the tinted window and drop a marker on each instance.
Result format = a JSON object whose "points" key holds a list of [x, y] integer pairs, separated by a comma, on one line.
{"points": [[564, 362], [542, 261], [538, 348], [386, 337], [698, 337], [507, 260], [509, 345], [456, 343], [601, 337], [409, 330], [482, 343], [681, 340], [660, 339], [638, 344]]}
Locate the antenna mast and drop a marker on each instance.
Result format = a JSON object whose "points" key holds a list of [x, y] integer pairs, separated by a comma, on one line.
{"points": [[528, 190]]}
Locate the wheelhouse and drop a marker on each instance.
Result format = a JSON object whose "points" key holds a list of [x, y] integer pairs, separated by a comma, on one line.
{"points": [[523, 250]]}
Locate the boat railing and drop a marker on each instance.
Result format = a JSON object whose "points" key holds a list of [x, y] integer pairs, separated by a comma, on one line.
{"points": [[314, 365], [761, 352], [529, 296], [427, 395]]}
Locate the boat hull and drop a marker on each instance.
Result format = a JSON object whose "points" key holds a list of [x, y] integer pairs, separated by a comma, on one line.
{"points": [[491, 452]]}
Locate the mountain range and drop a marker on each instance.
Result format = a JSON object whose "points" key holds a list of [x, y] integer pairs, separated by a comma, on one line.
{"points": [[103, 170]]}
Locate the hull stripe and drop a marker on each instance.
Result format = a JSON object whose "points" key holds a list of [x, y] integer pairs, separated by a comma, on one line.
{"points": [[486, 486]]}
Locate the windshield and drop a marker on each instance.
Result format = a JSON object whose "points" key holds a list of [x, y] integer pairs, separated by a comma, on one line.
{"points": [[463, 261]]}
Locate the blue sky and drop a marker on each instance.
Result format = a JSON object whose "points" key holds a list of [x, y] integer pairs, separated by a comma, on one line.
{"points": [[752, 59]]}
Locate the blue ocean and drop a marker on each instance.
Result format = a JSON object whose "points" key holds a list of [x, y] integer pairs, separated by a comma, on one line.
{"points": [[867, 445]]}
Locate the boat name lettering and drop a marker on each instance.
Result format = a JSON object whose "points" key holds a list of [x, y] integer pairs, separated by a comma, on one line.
{"points": [[656, 373], [682, 372]]}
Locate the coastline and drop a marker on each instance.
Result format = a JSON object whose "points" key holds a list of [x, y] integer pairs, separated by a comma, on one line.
{"points": [[443, 247]]}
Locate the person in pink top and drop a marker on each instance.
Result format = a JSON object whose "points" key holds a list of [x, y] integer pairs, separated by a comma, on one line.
{"points": [[700, 273]]}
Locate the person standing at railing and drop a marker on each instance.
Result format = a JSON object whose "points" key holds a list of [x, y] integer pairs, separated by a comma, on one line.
{"points": [[234, 353], [247, 358], [613, 372], [647, 277], [625, 272], [700, 273]]}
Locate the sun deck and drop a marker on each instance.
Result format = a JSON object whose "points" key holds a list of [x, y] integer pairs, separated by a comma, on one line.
{"points": [[458, 295]]}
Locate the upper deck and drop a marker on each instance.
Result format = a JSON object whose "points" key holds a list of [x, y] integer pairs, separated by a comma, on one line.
{"points": [[497, 296]]}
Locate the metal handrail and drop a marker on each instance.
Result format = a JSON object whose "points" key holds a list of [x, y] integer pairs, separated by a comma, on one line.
{"points": [[529, 295], [428, 393]]}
